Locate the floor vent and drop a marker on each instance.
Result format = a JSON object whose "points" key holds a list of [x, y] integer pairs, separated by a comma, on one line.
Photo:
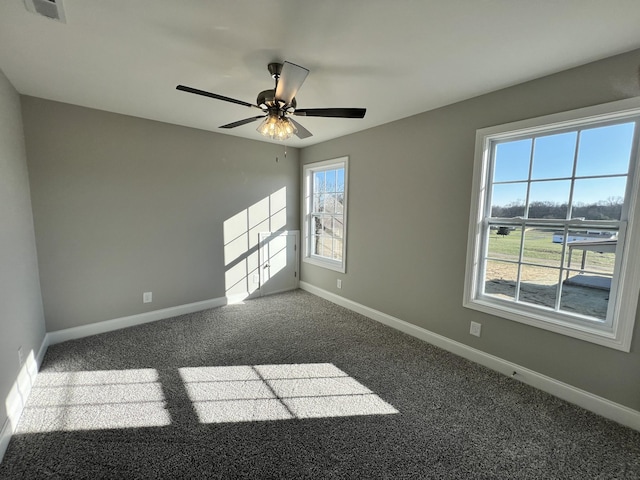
{"points": [[47, 8]]}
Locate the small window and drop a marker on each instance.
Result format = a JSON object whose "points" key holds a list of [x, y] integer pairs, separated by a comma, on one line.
{"points": [[551, 235], [325, 207]]}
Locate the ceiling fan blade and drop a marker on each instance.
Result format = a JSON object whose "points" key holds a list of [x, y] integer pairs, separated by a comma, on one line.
{"points": [[291, 79], [241, 122], [302, 132], [331, 112], [213, 95]]}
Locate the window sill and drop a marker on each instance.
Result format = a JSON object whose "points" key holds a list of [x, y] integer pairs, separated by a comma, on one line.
{"points": [[599, 335], [328, 264]]}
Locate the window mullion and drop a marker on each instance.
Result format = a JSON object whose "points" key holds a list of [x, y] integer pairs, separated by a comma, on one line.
{"points": [[573, 175], [566, 226], [523, 228], [520, 254], [562, 269], [528, 194]]}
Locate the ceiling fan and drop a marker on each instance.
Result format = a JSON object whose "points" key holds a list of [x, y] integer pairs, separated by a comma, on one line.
{"points": [[279, 103]]}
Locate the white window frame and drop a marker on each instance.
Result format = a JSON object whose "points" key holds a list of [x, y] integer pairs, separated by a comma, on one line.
{"points": [[617, 333], [307, 199]]}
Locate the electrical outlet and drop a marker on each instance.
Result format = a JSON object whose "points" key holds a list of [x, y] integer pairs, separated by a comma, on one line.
{"points": [[339, 283], [475, 329], [20, 359], [147, 297]]}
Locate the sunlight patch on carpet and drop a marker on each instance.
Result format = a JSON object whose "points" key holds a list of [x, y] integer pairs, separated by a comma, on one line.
{"points": [[92, 400], [278, 392]]}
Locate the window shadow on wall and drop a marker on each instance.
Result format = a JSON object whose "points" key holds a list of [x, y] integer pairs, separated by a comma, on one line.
{"points": [[242, 243]]}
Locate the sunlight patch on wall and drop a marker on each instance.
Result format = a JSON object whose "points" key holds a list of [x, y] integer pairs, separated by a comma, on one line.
{"points": [[278, 209], [278, 392], [21, 389], [275, 251], [241, 242], [90, 400]]}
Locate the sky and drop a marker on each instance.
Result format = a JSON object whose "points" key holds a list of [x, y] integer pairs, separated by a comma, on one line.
{"points": [[602, 151], [329, 181]]}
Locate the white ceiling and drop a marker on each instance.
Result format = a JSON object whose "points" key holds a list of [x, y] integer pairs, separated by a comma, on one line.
{"points": [[394, 57]]}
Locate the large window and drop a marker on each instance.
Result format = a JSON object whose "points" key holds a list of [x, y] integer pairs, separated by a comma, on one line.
{"points": [[552, 241], [325, 213]]}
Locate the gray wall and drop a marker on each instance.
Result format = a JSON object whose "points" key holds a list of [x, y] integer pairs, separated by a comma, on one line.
{"points": [[124, 205], [409, 199], [21, 317]]}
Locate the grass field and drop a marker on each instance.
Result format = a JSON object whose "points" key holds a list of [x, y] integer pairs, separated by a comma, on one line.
{"points": [[540, 273], [539, 249]]}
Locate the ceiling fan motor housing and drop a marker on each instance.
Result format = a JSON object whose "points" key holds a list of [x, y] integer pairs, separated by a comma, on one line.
{"points": [[267, 100]]}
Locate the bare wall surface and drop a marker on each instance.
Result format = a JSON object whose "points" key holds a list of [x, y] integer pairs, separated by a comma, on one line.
{"points": [[21, 317], [409, 199], [124, 205]]}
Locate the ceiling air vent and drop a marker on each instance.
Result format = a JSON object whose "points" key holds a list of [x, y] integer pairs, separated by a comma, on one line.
{"points": [[47, 8]]}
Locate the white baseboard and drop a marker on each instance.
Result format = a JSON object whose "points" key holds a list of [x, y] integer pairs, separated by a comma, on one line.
{"points": [[19, 393], [82, 331], [43, 349], [608, 409], [5, 436], [26, 377]]}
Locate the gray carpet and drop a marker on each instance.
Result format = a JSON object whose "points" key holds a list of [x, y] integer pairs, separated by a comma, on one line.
{"points": [[292, 386]]}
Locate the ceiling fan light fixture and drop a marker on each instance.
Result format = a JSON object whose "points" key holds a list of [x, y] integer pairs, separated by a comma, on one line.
{"points": [[277, 127]]}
